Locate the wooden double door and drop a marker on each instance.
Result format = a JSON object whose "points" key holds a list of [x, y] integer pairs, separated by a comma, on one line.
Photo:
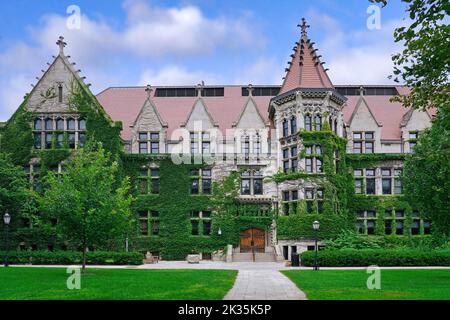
{"points": [[253, 240]]}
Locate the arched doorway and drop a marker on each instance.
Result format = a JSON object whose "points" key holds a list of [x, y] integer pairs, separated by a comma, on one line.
{"points": [[253, 240]]}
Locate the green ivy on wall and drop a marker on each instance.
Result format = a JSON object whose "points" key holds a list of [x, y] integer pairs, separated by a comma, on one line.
{"points": [[335, 181], [175, 204]]}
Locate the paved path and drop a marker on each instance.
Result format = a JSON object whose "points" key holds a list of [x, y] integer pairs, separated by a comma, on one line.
{"points": [[264, 285]]}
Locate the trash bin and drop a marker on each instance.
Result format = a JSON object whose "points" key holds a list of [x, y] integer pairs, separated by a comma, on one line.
{"points": [[295, 258]]}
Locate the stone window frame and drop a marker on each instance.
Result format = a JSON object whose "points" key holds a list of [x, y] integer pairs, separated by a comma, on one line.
{"points": [[412, 141], [317, 195], [293, 125], [151, 220], [200, 219], [366, 222], [51, 137], [198, 140], [149, 180], [290, 158], [252, 176], [147, 140], [201, 178], [394, 218], [314, 158], [363, 140]]}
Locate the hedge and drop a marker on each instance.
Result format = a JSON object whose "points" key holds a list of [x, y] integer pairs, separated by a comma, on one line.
{"points": [[379, 257], [72, 257]]}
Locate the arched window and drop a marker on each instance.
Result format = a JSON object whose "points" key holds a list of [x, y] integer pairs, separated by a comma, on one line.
{"points": [[294, 125], [59, 124], [82, 124], [335, 126], [70, 124], [318, 122], [285, 128], [48, 124], [37, 124], [330, 122], [308, 124]]}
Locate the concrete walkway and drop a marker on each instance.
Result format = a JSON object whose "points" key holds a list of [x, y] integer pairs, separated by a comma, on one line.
{"points": [[264, 285]]}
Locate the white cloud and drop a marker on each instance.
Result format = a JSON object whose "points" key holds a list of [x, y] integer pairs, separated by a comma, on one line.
{"points": [[150, 33], [177, 75], [263, 71], [357, 56]]}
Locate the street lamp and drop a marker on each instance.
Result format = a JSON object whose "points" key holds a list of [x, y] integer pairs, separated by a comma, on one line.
{"points": [[7, 220], [316, 226], [219, 232]]}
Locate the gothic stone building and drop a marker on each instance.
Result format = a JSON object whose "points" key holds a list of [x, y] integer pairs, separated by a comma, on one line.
{"points": [[303, 151]]}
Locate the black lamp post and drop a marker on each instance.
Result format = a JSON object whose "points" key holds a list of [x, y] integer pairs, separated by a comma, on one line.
{"points": [[7, 220], [316, 226]]}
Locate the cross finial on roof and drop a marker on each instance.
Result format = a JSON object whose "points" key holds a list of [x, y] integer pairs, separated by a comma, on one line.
{"points": [[250, 90], [61, 44], [200, 88], [303, 26], [361, 90], [149, 90]]}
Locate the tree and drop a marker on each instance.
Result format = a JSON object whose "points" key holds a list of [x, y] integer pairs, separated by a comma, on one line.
{"points": [[14, 190], [426, 176], [423, 65], [89, 207]]}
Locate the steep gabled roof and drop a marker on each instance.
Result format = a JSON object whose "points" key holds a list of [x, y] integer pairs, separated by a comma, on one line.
{"points": [[305, 70], [360, 102], [199, 103], [149, 104], [246, 109]]}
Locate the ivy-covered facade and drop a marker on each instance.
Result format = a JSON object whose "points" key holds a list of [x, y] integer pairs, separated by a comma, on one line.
{"points": [[246, 166]]}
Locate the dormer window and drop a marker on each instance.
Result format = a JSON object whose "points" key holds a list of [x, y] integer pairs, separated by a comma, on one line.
{"points": [[148, 142]]}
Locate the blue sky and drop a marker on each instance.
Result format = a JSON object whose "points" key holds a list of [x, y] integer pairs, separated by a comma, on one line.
{"points": [[135, 42]]}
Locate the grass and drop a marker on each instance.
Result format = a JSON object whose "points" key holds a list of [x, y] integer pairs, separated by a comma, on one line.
{"points": [[351, 284], [22, 283]]}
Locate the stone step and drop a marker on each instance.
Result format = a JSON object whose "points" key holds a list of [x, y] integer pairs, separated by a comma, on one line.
{"points": [[259, 257]]}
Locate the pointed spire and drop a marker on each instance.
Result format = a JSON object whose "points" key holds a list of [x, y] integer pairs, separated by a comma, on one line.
{"points": [[305, 70], [61, 44], [148, 90]]}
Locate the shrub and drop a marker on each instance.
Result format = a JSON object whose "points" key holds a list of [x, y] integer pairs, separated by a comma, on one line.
{"points": [[379, 257], [72, 257], [351, 240]]}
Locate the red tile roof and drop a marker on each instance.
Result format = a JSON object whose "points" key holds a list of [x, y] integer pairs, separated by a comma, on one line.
{"points": [[305, 70], [388, 114], [124, 103]]}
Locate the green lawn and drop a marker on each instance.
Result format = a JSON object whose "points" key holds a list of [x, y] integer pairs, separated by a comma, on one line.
{"points": [[351, 284], [50, 283]]}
